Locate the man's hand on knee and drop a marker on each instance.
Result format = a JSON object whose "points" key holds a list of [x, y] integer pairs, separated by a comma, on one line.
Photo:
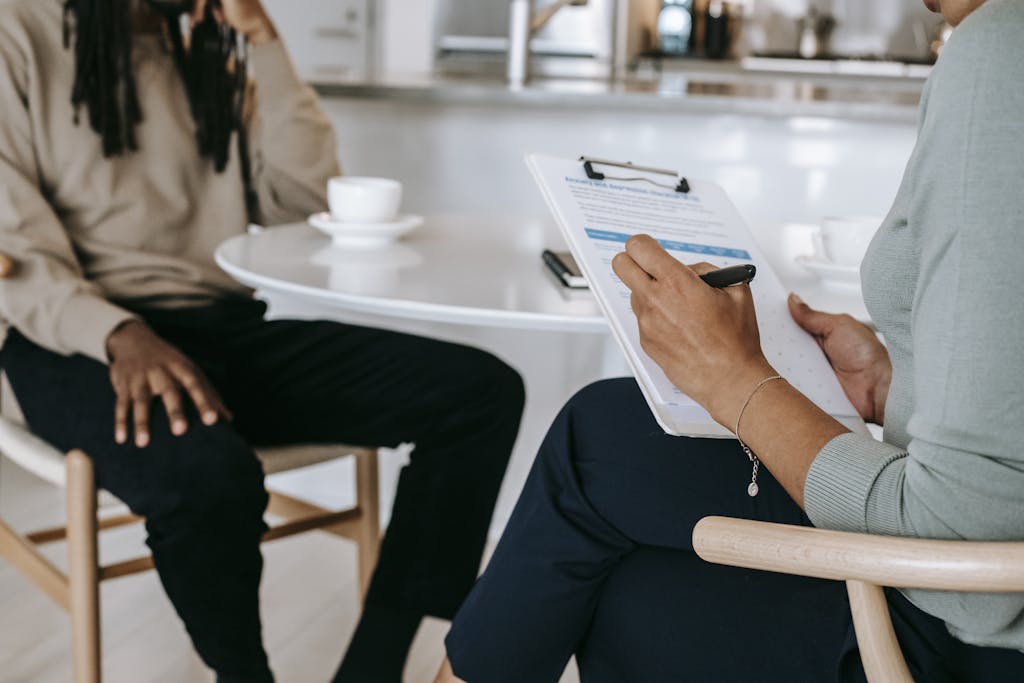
{"points": [[142, 367]]}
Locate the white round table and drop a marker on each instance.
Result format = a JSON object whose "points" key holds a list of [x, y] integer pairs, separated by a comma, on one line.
{"points": [[464, 269], [454, 269]]}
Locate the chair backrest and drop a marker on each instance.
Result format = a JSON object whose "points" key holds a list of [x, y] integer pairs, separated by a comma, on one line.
{"points": [[31, 452], [9, 407], [23, 447]]}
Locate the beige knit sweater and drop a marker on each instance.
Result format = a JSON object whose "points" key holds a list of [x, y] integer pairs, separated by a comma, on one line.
{"points": [[87, 231]]}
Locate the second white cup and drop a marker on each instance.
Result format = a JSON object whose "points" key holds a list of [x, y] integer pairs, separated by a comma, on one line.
{"points": [[355, 199], [844, 241]]}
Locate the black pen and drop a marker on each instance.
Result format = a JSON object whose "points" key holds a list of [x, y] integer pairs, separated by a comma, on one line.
{"points": [[733, 275]]}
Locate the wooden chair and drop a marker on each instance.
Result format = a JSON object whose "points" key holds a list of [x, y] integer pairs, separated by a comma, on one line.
{"points": [[866, 563], [77, 591]]}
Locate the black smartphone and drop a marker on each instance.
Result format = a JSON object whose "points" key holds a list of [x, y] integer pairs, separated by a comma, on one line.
{"points": [[564, 266]]}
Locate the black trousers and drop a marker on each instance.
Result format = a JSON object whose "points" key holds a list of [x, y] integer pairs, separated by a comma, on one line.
{"points": [[289, 382], [597, 561]]}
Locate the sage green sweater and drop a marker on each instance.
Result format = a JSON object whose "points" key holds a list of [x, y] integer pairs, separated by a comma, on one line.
{"points": [[87, 231], [942, 282]]}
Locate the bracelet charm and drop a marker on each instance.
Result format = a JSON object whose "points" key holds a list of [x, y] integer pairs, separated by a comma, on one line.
{"points": [[752, 488]]}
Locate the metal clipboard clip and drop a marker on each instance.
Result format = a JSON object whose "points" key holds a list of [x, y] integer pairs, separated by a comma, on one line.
{"points": [[682, 185]]}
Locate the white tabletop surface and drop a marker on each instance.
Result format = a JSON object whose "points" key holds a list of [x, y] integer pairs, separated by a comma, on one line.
{"points": [[457, 268]]}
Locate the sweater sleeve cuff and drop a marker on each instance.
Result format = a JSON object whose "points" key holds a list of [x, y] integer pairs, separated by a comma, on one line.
{"points": [[843, 490], [85, 323], [276, 79]]}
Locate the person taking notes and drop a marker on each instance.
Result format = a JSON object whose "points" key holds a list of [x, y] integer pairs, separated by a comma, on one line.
{"points": [[612, 500]]}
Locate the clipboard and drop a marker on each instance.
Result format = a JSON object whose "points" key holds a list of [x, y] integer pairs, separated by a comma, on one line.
{"points": [[681, 185], [598, 209]]}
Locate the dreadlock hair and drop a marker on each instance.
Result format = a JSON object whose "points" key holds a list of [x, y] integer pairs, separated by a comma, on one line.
{"points": [[213, 69]]}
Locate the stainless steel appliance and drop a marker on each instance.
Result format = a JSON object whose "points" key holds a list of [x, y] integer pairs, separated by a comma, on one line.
{"points": [[895, 29]]}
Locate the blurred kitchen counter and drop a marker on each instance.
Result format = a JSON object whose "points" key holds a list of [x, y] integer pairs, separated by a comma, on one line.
{"points": [[714, 89]]}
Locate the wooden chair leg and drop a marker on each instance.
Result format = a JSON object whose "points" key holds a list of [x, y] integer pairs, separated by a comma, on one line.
{"points": [[367, 488], [26, 558], [879, 650], [83, 569]]}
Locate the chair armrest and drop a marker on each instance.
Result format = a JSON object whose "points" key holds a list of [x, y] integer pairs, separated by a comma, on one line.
{"points": [[970, 566]]}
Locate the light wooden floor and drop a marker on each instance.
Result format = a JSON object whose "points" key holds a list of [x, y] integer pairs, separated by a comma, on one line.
{"points": [[310, 606]]}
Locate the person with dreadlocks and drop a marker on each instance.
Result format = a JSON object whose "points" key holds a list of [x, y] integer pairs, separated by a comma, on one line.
{"points": [[131, 144]]}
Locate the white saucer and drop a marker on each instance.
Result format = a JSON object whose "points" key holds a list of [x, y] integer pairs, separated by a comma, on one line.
{"points": [[831, 272], [364, 235]]}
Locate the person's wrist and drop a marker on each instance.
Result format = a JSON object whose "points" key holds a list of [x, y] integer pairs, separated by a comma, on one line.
{"points": [[122, 335], [735, 389]]}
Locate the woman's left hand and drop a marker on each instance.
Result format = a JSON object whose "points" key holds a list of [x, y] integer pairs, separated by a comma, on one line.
{"points": [[705, 339], [248, 17]]}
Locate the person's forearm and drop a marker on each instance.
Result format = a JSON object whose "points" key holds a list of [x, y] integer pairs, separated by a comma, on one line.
{"points": [[781, 426], [291, 139]]}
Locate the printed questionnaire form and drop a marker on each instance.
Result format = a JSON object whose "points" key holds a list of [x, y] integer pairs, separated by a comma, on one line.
{"points": [[599, 216]]}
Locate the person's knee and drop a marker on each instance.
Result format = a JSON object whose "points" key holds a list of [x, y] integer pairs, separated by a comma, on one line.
{"points": [[595, 417], [508, 386], [600, 398], [491, 383], [210, 473], [230, 476]]}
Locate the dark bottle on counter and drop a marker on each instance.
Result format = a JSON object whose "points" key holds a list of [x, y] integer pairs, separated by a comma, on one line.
{"points": [[717, 34], [675, 24]]}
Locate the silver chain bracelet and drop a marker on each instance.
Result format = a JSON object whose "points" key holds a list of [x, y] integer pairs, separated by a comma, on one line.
{"points": [[752, 488]]}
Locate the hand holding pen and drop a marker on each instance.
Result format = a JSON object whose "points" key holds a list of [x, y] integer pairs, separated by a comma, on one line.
{"points": [[697, 323]]}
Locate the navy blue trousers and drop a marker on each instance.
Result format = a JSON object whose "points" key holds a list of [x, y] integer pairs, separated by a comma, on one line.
{"points": [[597, 561]]}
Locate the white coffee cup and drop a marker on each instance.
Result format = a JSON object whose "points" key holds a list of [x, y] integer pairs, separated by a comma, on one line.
{"points": [[844, 240], [364, 200]]}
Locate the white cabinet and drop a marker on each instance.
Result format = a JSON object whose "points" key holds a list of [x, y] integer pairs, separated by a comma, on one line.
{"points": [[330, 40]]}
